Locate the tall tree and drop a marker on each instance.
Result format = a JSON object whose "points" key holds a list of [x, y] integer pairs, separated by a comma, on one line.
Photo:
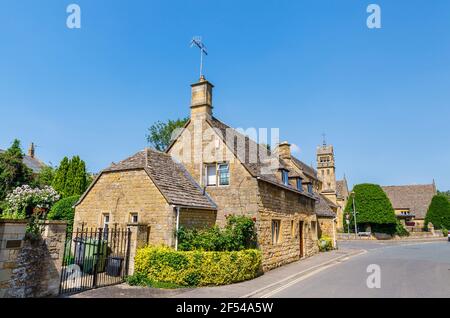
{"points": [[45, 177], [373, 208], [439, 212], [13, 172], [160, 133], [59, 181], [69, 187], [80, 183]]}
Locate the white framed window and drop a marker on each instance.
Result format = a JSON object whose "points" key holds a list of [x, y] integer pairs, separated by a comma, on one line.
{"points": [[211, 175], [285, 177], [134, 218], [276, 224], [106, 218], [224, 174]]}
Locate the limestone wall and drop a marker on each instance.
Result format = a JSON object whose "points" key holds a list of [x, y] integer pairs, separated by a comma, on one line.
{"points": [[33, 268]]}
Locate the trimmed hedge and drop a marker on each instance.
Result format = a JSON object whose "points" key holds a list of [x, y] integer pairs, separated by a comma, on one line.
{"points": [[438, 212], [196, 268], [63, 210]]}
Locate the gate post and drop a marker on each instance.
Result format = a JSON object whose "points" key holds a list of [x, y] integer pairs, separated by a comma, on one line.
{"points": [[139, 236]]}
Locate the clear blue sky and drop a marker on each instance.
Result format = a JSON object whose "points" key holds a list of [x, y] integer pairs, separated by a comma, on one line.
{"points": [[307, 67]]}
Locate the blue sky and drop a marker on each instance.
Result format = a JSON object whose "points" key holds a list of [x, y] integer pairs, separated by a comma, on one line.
{"points": [[307, 67]]}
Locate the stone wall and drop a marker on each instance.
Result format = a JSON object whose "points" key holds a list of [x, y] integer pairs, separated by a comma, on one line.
{"points": [[326, 226], [293, 211], [122, 193], [197, 219], [33, 270]]}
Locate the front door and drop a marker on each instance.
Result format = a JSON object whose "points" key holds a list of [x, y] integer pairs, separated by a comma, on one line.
{"points": [[300, 237]]}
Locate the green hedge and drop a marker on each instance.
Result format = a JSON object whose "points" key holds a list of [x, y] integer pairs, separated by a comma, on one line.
{"points": [[195, 268], [325, 243]]}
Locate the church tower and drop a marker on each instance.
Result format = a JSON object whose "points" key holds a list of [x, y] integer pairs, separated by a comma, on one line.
{"points": [[327, 170]]}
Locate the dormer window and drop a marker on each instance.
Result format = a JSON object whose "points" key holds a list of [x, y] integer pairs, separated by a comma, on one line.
{"points": [[299, 184], [285, 177]]}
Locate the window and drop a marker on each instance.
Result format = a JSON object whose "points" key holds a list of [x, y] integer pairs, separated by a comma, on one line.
{"points": [[292, 229], [224, 174], [134, 218], [276, 231], [285, 177], [211, 175], [328, 171], [310, 188], [299, 184], [314, 227], [105, 221]]}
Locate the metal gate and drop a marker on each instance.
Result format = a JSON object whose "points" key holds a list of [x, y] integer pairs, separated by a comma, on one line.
{"points": [[94, 258]]}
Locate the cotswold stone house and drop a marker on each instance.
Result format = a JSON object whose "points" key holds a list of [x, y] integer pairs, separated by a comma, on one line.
{"points": [[147, 188], [411, 203], [243, 177]]}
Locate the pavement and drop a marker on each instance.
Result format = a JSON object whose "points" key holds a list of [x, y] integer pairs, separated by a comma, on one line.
{"points": [[407, 269]]}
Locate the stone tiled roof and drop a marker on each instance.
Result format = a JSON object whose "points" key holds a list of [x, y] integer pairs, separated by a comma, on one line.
{"points": [[170, 177], [323, 207], [341, 188], [261, 168], [307, 170], [33, 163], [416, 198]]}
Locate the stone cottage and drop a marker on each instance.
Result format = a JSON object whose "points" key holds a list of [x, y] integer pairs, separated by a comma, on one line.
{"points": [[147, 188]]}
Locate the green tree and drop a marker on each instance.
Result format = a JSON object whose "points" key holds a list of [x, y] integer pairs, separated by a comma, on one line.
{"points": [[445, 193], [373, 208], [13, 172], [63, 210], [59, 180], [45, 177], [80, 181], [160, 133], [439, 212]]}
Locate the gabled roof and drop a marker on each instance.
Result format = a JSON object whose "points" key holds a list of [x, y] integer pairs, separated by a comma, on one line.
{"points": [[323, 207], [341, 188], [171, 178], [416, 198], [261, 168], [33, 163], [307, 170]]}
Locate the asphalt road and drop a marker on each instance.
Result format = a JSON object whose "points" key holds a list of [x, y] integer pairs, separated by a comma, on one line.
{"points": [[416, 270]]}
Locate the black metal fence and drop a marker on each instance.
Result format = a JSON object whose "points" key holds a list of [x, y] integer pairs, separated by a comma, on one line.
{"points": [[94, 258]]}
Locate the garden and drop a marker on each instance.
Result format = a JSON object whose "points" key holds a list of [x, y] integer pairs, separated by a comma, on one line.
{"points": [[207, 257]]}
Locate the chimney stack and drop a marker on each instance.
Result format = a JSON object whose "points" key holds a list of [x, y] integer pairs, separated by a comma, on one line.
{"points": [[31, 150], [201, 99], [284, 150]]}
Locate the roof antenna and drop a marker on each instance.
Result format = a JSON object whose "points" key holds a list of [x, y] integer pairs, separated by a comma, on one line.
{"points": [[324, 140], [197, 41]]}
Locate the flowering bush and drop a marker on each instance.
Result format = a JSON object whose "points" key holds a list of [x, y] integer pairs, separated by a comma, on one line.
{"points": [[24, 198]]}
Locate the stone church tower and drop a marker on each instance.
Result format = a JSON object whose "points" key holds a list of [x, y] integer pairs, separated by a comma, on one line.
{"points": [[327, 170]]}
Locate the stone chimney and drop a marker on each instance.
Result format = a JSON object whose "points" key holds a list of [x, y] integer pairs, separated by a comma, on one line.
{"points": [[201, 100], [31, 150], [284, 150]]}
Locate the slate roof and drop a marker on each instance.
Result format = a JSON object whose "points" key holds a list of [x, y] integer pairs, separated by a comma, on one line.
{"points": [[261, 168], [170, 177], [416, 198], [323, 207], [33, 163], [341, 188], [308, 170]]}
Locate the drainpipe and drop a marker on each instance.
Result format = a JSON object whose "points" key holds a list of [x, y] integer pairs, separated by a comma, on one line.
{"points": [[177, 208]]}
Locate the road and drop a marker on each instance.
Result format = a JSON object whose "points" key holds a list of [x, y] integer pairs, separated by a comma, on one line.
{"points": [[416, 270]]}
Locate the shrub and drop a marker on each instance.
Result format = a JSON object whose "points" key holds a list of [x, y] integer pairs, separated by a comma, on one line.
{"points": [[438, 212], [325, 243], [238, 234], [400, 229], [373, 208], [63, 210], [445, 232], [164, 265]]}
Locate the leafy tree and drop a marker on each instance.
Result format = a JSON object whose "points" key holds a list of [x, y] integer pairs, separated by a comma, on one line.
{"points": [[71, 177], [59, 180], [45, 177], [13, 172], [445, 193], [160, 133], [63, 210], [439, 212], [373, 208]]}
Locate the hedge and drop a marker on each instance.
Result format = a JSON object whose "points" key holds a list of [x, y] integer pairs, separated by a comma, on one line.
{"points": [[438, 212], [196, 268]]}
